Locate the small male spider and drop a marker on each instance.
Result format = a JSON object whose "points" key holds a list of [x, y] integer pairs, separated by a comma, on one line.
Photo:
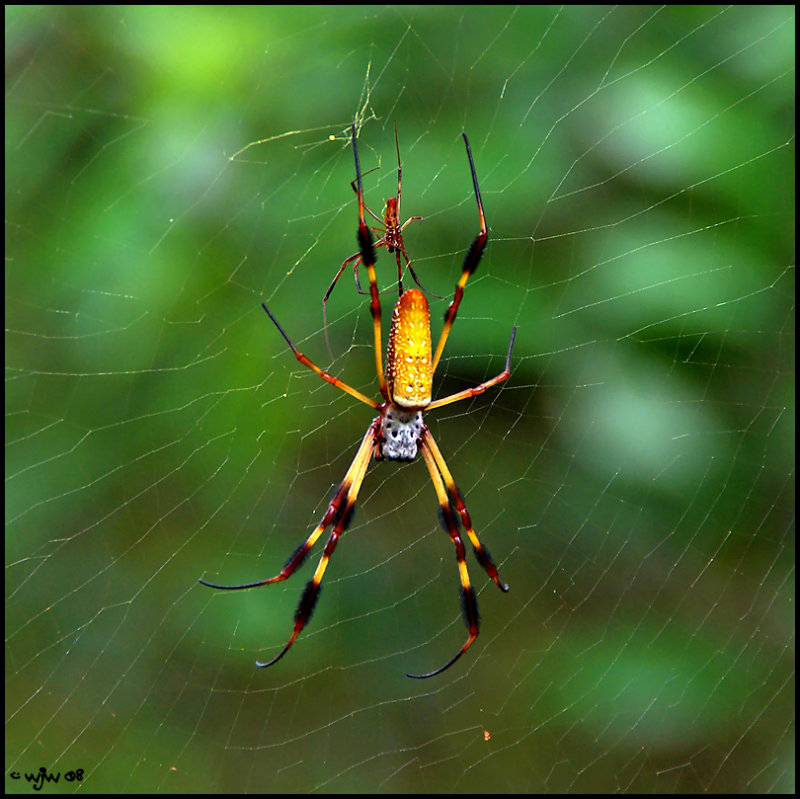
{"points": [[390, 236], [398, 432]]}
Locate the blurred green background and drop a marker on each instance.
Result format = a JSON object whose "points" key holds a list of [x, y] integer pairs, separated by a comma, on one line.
{"points": [[167, 169]]}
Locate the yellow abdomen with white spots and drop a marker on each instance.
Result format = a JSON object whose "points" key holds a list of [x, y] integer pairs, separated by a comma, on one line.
{"points": [[409, 365]]}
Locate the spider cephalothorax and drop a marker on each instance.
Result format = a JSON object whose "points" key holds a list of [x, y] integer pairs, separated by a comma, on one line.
{"points": [[398, 432]]}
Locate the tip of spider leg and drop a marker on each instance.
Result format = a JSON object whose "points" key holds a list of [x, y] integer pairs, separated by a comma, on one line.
{"points": [[211, 585], [439, 670], [450, 662], [276, 658], [269, 663]]}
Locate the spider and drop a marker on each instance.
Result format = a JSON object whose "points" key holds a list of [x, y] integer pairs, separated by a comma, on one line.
{"points": [[391, 237], [398, 432]]}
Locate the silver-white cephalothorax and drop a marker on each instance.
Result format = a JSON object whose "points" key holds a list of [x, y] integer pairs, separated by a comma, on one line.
{"points": [[401, 430]]}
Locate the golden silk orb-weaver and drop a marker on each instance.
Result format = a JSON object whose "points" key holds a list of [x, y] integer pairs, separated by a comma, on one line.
{"points": [[398, 432]]}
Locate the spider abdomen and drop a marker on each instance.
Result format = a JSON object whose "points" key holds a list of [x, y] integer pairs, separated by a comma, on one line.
{"points": [[409, 368]]}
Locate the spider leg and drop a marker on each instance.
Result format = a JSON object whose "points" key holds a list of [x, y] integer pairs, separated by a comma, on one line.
{"points": [[334, 381], [357, 259], [399, 231], [481, 553], [355, 189], [367, 252], [334, 511], [471, 392], [338, 514], [335, 280], [381, 242], [471, 261], [469, 602], [408, 222], [401, 249], [399, 171]]}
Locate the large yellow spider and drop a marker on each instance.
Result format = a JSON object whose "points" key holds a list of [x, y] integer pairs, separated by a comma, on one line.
{"points": [[398, 432]]}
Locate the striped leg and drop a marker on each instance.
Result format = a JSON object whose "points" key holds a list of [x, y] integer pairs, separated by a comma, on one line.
{"points": [[367, 252], [340, 519], [471, 261], [338, 514], [469, 603], [449, 496], [394, 231], [334, 381], [481, 553], [472, 392]]}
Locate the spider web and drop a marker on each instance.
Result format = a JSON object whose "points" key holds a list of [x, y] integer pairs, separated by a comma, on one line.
{"points": [[168, 169]]}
